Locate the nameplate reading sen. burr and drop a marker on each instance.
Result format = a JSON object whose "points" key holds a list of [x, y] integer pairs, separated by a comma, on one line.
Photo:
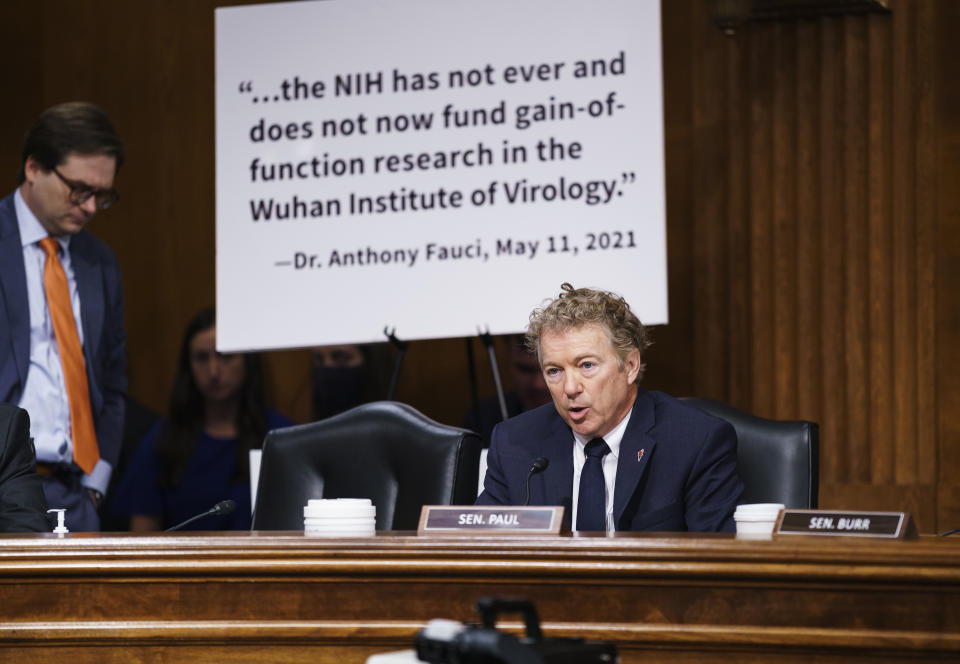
{"points": [[489, 520], [890, 525]]}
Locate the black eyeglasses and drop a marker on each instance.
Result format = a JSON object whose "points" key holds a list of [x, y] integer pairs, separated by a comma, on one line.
{"points": [[80, 193]]}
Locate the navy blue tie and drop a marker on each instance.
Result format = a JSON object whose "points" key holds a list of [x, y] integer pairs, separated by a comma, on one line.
{"points": [[592, 502]]}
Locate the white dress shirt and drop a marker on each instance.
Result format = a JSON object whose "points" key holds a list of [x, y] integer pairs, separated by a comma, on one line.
{"points": [[45, 392], [610, 460]]}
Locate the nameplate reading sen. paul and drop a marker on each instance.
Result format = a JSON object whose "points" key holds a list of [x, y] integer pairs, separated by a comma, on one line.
{"points": [[892, 525], [487, 520]]}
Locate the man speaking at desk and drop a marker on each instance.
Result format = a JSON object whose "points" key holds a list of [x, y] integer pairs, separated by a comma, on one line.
{"points": [[615, 456]]}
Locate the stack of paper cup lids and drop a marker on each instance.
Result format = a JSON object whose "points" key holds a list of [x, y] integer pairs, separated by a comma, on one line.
{"points": [[756, 520], [340, 517]]}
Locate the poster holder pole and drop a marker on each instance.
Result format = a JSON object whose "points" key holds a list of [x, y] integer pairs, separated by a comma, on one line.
{"points": [[401, 347], [472, 373], [487, 340]]}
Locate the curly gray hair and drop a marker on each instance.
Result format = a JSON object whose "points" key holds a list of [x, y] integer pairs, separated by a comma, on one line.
{"points": [[575, 307]]}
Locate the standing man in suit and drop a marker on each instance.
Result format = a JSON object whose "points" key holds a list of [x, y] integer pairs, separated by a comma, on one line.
{"points": [[62, 336], [22, 505], [618, 457]]}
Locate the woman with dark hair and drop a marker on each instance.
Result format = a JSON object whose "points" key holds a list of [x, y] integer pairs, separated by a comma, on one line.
{"points": [[199, 454]]}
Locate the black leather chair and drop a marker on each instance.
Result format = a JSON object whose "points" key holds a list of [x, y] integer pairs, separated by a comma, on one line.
{"points": [[23, 506], [777, 460], [385, 451]]}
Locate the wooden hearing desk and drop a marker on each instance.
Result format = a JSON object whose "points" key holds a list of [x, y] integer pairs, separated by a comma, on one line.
{"points": [[281, 597]]}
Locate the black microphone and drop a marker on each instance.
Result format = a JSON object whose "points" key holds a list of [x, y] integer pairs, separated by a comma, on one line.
{"points": [[539, 464], [223, 507]]}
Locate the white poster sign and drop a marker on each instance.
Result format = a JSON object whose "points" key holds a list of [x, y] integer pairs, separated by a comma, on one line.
{"points": [[433, 166]]}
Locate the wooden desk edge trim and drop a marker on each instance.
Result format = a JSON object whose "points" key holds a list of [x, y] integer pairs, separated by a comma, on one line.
{"points": [[399, 548], [618, 571], [626, 635]]}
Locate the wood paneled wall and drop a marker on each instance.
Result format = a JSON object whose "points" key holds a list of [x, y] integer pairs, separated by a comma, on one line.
{"points": [[813, 216], [806, 179]]}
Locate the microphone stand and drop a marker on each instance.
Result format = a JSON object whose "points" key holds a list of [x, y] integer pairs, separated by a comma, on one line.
{"points": [[539, 464], [223, 507]]}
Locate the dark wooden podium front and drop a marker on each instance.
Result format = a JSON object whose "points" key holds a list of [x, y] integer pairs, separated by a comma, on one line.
{"points": [[282, 597]]}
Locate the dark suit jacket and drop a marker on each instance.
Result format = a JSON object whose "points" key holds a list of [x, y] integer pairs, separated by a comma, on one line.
{"points": [[685, 478], [101, 313], [22, 505]]}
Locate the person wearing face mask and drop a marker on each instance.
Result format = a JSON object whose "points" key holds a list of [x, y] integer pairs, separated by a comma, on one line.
{"points": [[346, 375], [199, 454]]}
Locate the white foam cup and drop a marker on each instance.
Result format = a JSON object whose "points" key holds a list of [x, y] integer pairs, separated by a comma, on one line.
{"points": [[764, 508], [342, 529], [340, 507], [339, 517], [756, 520], [339, 532], [339, 523], [335, 502]]}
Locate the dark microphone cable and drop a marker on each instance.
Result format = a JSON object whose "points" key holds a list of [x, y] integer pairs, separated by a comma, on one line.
{"points": [[539, 464], [223, 507]]}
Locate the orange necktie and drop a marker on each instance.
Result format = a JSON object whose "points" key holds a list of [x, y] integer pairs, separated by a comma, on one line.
{"points": [[85, 451]]}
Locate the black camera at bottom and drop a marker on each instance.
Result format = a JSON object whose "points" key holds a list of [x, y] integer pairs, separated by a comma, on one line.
{"points": [[451, 642]]}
